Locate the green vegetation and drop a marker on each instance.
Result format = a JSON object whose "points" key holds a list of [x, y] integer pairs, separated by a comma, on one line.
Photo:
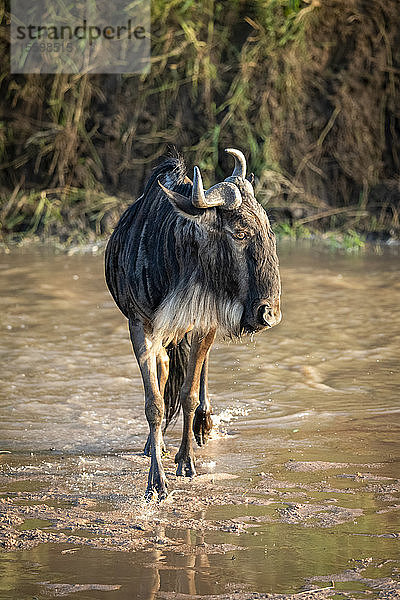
{"points": [[347, 240], [308, 89], [293, 232], [350, 241]]}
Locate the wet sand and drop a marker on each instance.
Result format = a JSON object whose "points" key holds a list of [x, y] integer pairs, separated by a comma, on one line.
{"points": [[70, 501]]}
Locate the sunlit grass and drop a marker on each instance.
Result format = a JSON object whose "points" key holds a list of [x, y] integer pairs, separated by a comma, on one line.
{"points": [[74, 215], [261, 77]]}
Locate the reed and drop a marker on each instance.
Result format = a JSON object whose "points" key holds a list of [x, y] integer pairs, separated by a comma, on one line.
{"points": [[307, 89]]}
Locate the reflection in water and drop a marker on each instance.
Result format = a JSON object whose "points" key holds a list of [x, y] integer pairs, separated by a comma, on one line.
{"points": [[278, 559], [187, 567], [321, 386]]}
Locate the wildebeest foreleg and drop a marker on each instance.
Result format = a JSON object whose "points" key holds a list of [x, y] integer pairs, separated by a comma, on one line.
{"points": [[146, 356], [190, 399], [202, 423], [162, 375]]}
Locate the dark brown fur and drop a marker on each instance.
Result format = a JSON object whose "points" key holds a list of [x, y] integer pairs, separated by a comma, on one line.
{"points": [[171, 268]]}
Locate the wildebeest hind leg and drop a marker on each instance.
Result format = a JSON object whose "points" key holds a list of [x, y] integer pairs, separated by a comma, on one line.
{"points": [[162, 376], [190, 399], [154, 405], [202, 423]]}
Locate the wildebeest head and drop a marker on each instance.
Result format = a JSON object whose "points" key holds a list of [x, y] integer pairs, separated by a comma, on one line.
{"points": [[236, 245]]}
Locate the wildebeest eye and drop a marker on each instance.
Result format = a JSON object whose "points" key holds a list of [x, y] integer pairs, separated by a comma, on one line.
{"points": [[239, 235]]}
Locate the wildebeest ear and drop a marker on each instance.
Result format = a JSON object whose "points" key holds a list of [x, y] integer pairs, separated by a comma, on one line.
{"points": [[182, 203]]}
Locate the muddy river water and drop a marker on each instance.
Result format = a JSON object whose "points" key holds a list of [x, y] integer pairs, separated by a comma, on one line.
{"points": [[298, 487]]}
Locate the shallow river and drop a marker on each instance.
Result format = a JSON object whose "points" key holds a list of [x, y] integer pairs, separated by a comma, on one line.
{"points": [[312, 404]]}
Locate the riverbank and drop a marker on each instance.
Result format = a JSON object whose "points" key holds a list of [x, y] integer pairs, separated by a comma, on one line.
{"points": [[308, 90], [348, 241]]}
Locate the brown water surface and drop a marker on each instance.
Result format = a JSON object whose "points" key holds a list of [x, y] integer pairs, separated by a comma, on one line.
{"points": [[298, 485]]}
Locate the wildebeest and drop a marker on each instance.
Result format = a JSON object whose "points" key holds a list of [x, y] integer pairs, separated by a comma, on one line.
{"points": [[183, 264]]}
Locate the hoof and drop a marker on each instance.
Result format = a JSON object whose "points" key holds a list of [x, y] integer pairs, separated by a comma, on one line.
{"points": [[185, 468], [202, 426], [157, 493]]}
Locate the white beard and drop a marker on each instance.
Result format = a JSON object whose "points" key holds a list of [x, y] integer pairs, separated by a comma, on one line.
{"points": [[193, 309]]}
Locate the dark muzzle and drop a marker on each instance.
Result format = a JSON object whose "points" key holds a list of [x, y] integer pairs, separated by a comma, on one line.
{"points": [[268, 314], [263, 314]]}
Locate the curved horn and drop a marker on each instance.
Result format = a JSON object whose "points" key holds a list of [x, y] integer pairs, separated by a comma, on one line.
{"points": [[225, 194], [198, 195], [240, 162]]}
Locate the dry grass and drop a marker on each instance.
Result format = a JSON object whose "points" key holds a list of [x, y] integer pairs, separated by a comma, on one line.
{"points": [[309, 90]]}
